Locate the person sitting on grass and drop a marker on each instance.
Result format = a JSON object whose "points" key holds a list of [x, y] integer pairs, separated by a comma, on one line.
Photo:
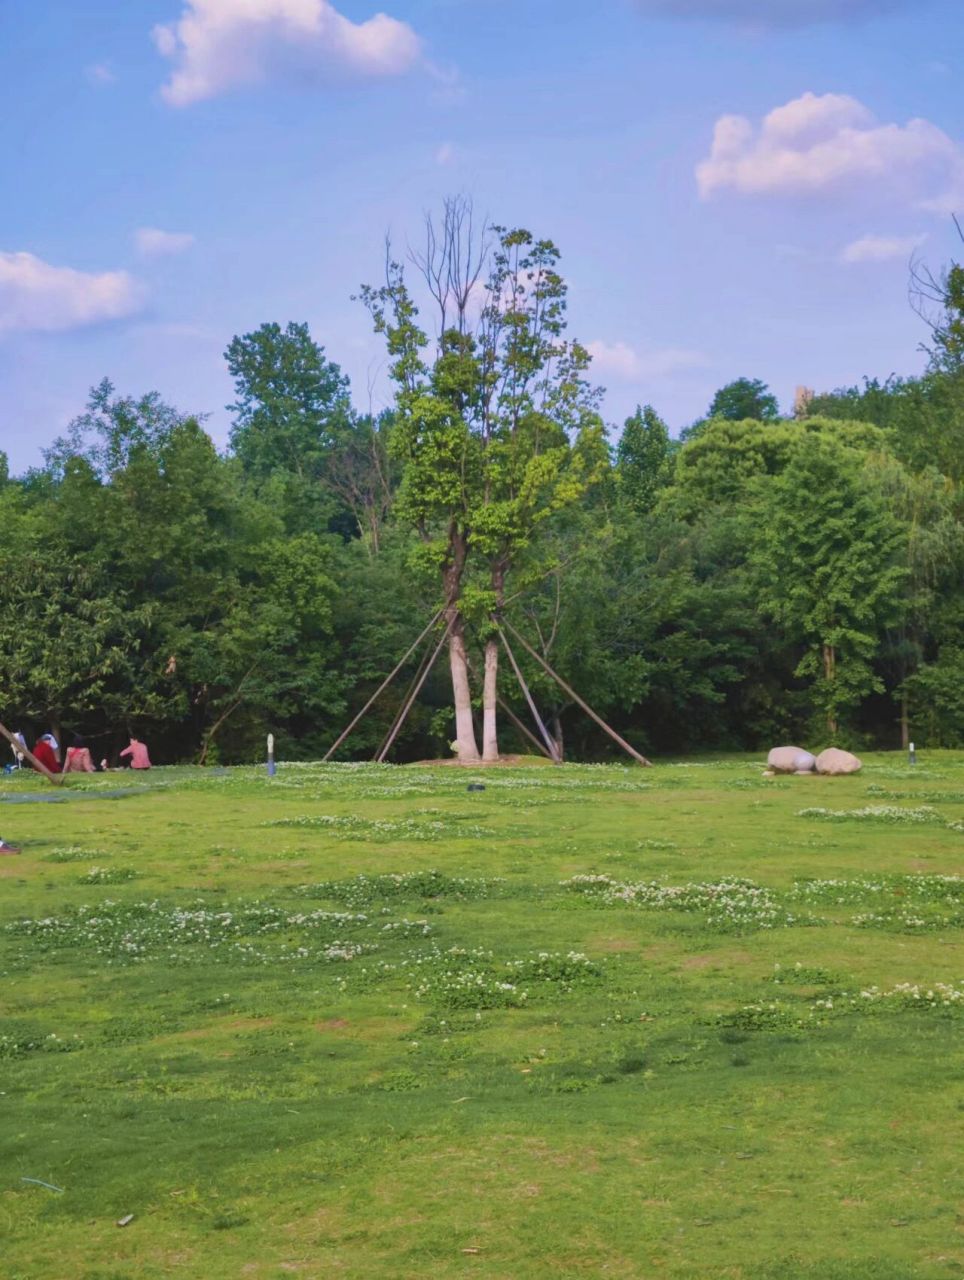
{"points": [[78, 757], [45, 751], [138, 754]]}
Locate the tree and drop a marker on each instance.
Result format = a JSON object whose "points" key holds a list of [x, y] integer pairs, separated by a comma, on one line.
{"points": [[719, 467], [827, 558], [744, 398], [113, 430], [496, 428], [362, 474], [939, 301], [643, 465], [923, 416], [292, 410]]}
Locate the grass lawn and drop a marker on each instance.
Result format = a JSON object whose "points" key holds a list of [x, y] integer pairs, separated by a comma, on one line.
{"points": [[357, 1021]]}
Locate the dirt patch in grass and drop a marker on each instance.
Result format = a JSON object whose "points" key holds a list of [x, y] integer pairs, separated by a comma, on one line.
{"points": [[605, 942], [716, 959]]}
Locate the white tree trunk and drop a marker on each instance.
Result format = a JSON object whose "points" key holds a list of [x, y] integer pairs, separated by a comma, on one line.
{"points": [[490, 692], [466, 745]]}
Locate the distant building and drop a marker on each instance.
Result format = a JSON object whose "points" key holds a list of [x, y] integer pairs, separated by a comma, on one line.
{"points": [[802, 399]]}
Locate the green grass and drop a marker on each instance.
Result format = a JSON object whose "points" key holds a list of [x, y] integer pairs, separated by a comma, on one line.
{"points": [[357, 1021]]}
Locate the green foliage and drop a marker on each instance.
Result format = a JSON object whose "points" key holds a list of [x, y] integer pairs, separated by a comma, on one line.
{"points": [[936, 695], [924, 416], [742, 399], [292, 402], [827, 565], [497, 429], [643, 459], [291, 414], [141, 585]]}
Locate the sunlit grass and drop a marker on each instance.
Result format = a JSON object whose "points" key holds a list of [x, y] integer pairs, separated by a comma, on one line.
{"points": [[588, 1021]]}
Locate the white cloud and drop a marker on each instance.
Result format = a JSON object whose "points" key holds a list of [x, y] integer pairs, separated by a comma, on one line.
{"points": [[872, 248], [772, 13], [100, 74], [218, 45], [620, 361], [36, 295], [154, 243], [823, 143]]}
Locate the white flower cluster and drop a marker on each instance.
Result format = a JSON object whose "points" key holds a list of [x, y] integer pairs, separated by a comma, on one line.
{"points": [[136, 930], [874, 813], [916, 888], [728, 905], [911, 995], [355, 828]]}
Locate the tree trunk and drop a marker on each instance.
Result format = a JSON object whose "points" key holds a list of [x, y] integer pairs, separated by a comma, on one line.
{"points": [[830, 674], [557, 735], [490, 693], [465, 743], [490, 687], [904, 722]]}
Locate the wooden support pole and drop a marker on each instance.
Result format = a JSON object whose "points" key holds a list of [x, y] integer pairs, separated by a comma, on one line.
{"points": [[56, 778], [576, 698], [414, 694], [380, 690], [549, 741], [426, 656], [526, 733]]}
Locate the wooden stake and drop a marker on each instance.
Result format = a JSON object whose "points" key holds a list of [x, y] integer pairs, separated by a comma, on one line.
{"points": [[380, 690], [415, 679], [414, 694], [527, 733], [56, 778], [549, 741], [576, 698]]}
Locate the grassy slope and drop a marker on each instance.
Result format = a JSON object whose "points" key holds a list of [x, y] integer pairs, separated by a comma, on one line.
{"points": [[264, 1112]]}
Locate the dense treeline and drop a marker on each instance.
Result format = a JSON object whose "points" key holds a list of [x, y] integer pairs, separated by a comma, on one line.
{"points": [[762, 579]]}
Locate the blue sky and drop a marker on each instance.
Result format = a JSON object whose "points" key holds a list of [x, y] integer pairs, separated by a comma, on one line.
{"points": [[736, 185]]}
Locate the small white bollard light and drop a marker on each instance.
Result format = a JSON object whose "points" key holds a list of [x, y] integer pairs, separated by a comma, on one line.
{"points": [[913, 754], [271, 764]]}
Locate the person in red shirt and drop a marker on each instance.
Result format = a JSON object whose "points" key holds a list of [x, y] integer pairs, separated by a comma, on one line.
{"points": [[45, 750], [78, 757], [138, 754]]}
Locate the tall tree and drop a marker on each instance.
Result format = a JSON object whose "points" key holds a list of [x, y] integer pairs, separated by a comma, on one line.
{"points": [[113, 430], [496, 425], [744, 398], [827, 553], [292, 411], [643, 464]]}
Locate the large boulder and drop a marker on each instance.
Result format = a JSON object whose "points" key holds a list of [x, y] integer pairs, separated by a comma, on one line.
{"points": [[835, 761], [790, 760]]}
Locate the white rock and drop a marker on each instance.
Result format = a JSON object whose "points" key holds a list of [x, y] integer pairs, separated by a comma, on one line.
{"points": [[834, 761], [790, 760]]}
